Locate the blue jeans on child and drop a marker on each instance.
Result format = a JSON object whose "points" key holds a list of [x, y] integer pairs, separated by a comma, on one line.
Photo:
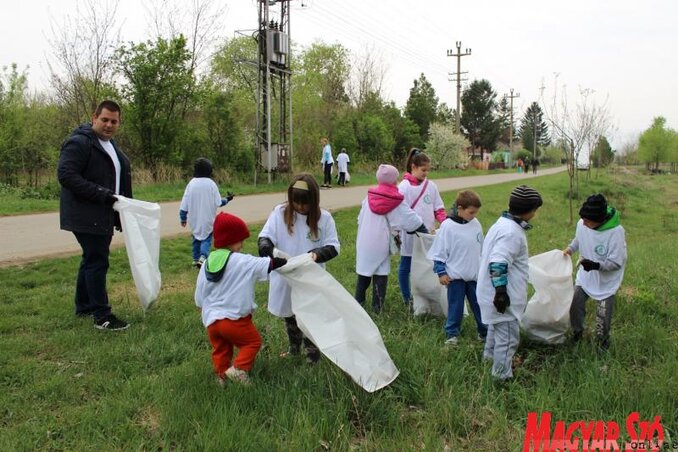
{"points": [[457, 290], [404, 278], [201, 247]]}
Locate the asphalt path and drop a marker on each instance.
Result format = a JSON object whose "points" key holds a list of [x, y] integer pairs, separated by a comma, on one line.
{"points": [[28, 238]]}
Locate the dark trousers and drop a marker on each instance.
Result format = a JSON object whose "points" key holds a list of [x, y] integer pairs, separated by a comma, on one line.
{"points": [[90, 289], [296, 336], [457, 290], [604, 309], [378, 290], [342, 178], [327, 169]]}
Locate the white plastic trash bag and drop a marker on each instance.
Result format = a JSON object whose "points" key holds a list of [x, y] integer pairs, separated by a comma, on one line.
{"points": [[430, 297], [547, 315], [329, 316], [141, 230]]}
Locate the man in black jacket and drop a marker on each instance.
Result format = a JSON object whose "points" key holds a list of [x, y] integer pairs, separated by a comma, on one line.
{"points": [[92, 170]]}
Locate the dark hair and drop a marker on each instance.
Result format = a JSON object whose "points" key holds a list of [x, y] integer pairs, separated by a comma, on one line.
{"points": [[467, 198], [202, 167], [416, 157], [310, 197], [108, 105]]}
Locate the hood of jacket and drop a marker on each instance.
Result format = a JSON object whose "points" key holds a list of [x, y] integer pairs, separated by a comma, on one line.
{"points": [[612, 220], [384, 198]]}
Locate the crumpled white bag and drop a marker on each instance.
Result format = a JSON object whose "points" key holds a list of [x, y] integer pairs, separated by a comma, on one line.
{"points": [[342, 330], [547, 315], [429, 297], [141, 229]]}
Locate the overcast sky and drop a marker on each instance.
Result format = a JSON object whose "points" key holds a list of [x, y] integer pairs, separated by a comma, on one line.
{"points": [[626, 51]]}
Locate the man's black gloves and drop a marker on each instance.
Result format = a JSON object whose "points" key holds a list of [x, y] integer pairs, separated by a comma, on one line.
{"points": [[589, 265], [276, 262], [110, 198], [230, 196], [324, 253], [265, 247], [501, 299]]}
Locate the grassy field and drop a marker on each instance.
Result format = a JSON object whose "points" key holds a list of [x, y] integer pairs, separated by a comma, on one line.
{"points": [[20, 201], [67, 386]]}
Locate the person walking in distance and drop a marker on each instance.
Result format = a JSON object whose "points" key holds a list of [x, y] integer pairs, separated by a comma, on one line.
{"points": [[342, 166], [92, 170], [327, 162]]}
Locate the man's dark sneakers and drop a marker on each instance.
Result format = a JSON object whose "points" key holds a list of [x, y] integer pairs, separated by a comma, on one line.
{"points": [[111, 323]]}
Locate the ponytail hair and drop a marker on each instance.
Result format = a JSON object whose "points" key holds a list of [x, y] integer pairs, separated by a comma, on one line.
{"points": [[416, 157]]}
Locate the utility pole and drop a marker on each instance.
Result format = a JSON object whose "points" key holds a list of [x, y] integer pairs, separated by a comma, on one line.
{"points": [[273, 142], [459, 54], [511, 96]]}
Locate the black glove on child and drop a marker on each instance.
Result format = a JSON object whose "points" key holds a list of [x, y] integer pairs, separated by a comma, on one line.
{"points": [[501, 299], [230, 196], [265, 247], [276, 262], [589, 265]]}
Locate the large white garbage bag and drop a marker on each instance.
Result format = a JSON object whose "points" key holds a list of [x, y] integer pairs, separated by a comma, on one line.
{"points": [[429, 296], [547, 315], [337, 324], [141, 230]]}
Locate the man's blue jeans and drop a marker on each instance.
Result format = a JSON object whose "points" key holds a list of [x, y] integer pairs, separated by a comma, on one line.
{"points": [[201, 247], [90, 289], [457, 290]]}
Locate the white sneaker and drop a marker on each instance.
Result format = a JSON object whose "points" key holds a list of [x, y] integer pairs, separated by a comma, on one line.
{"points": [[237, 375], [454, 340]]}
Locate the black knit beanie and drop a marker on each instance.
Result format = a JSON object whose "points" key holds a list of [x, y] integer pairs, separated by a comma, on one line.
{"points": [[524, 199], [202, 168], [594, 208]]}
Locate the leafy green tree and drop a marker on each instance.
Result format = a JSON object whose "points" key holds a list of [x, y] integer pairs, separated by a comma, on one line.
{"points": [[445, 147], [602, 154], [479, 118], [319, 97], [655, 143], [533, 120], [374, 138], [159, 89], [13, 87], [504, 118], [405, 133], [422, 105], [445, 114]]}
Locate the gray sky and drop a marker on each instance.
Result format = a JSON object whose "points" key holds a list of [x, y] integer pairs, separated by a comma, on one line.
{"points": [[623, 50]]}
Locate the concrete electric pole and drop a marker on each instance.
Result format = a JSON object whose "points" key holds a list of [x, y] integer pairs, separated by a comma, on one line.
{"points": [[511, 96], [459, 54]]}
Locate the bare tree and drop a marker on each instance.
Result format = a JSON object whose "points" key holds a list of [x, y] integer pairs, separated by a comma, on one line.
{"points": [[83, 47], [200, 21], [577, 126], [367, 77]]}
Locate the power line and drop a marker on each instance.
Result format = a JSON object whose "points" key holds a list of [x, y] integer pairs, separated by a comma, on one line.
{"points": [[459, 54]]}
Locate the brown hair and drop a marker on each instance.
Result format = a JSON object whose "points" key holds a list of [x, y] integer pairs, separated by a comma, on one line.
{"points": [[310, 197], [108, 105], [417, 158], [466, 199]]}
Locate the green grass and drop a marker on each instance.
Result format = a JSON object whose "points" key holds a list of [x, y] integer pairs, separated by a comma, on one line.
{"points": [[20, 201], [66, 386]]}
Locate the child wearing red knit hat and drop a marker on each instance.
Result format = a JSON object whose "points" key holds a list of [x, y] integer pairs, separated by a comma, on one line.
{"points": [[225, 294]]}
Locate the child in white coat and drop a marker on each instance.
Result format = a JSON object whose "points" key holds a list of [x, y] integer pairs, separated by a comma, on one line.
{"points": [[601, 242], [383, 212], [456, 257], [296, 227], [199, 207], [423, 197], [502, 279], [225, 294]]}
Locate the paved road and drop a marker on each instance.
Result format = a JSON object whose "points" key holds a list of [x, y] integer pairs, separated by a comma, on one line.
{"points": [[27, 238]]}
